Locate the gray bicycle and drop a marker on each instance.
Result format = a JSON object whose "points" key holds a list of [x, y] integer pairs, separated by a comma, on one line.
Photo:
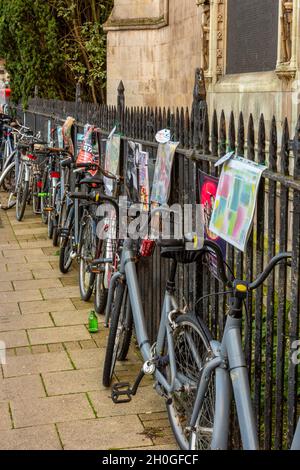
{"points": [[225, 370], [194, 373], [182, 345]]}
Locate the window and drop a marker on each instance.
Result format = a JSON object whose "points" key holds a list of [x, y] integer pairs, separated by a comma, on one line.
{"points": [[252, 35]]}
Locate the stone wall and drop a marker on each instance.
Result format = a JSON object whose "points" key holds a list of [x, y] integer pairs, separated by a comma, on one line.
{"points": [[156, 59], [154, 46]]}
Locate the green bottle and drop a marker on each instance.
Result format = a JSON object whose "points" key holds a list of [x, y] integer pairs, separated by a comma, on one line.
{"points": [[93, 322]]}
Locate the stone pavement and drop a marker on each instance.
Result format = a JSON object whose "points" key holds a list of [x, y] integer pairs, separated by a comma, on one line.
{"points": [[51, 396]]}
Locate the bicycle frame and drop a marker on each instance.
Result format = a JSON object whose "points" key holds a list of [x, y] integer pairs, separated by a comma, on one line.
{"points": [[128, 271], [230, 367]]}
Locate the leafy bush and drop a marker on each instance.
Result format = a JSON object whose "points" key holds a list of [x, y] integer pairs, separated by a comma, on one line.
{"points": [[54, 45]]}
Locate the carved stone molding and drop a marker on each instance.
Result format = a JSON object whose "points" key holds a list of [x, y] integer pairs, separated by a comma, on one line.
{"points": [[220, 38], [115, 23], [286, 30], [286, 68], [205, 27]]}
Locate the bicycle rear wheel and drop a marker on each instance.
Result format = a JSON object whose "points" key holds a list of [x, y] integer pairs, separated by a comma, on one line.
{"points": [[107, 250], [120, 333], [65, 253], [88, 247], [22, 195], [192, 348]]}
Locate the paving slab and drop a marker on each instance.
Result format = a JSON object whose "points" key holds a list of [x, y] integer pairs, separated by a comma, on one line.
{"points": [[33, 438], [55, 305], [58, 334], [87, 358], [103, 434], [50, 410], [5, 286], [36, 364], [36, 284], [23, 322], [15, 276], [5, 420], [21, 296], [62, 293], [14, 339], [19, 388], [72, 317], [74, 381]]}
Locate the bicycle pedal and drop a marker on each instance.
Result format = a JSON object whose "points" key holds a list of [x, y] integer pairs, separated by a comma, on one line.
{"points": [[119, 390]]}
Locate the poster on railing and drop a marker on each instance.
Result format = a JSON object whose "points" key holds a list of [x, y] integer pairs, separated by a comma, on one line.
{"points": [[87, 152], [208, 186], [132, 169], [112, 161], [233, 213], [137, 174], [60, 137], [144, 186], [67, 134], [162, 174]]}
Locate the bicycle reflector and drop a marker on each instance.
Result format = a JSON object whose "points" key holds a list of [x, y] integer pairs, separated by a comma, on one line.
{"points": [[147, 248], [31, 157], [54, 174]]}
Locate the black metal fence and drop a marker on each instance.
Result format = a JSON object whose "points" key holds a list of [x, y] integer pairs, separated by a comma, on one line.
{"points": [[272, 324]]}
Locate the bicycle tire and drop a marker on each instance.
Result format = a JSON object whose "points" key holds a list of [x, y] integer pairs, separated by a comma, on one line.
{"points": [[7, 173], [101, 295], [22, 198], [118, 345], [62, 217], [45, 199], [87, 250], [36, 203], [50, 226], [101, 292], [57, 207], [65, 260], [189, 331]]}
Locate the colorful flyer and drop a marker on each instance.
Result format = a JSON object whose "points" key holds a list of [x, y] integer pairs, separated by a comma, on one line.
{"points": [[162, 174], [144, 187], [235, 204], [112, 161], [86, 153], [67, 134]]}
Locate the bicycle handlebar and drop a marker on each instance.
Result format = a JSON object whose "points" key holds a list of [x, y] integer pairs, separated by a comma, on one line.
{"points": [[97, 198], [263, 276]]}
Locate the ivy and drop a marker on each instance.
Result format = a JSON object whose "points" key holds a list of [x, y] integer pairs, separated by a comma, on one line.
{"points": [[54, 45]]}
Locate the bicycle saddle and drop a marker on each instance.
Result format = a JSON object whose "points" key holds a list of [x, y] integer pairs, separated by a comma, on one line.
{"points": [[92, 180], [175, 249]]}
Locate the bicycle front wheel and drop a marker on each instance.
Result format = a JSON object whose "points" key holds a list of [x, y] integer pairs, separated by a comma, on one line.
{"points": [[192, 349], [120, 333]]}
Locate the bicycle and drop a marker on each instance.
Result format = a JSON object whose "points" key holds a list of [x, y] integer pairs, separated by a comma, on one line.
{"points": [[10, 175], [88, 246], [224, 369], [28, 160], [172, 358]]}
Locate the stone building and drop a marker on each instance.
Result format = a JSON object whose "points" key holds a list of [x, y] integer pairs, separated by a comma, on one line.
{"points": [[249, 50]]}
